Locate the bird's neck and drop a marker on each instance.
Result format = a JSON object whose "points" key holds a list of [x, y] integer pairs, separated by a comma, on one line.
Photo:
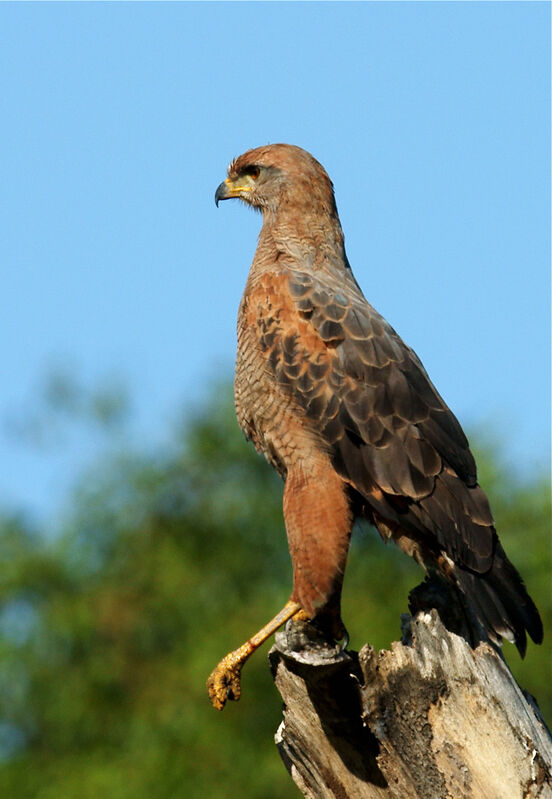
{"points": [[313, 242]]}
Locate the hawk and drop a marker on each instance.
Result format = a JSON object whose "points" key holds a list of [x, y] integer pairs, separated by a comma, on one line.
{"points": [[345, 412]]}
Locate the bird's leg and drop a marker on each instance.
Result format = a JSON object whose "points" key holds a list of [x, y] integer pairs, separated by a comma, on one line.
{"points": [[224, 680], [318, 523]]}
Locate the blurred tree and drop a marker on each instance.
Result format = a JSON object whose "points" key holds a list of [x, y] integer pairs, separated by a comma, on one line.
{"points": [[168, 560]]}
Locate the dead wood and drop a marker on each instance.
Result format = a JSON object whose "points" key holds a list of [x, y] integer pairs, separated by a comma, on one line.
{"points": [[433, 718]]}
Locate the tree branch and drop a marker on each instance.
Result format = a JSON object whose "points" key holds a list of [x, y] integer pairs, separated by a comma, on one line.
{"points": [[430, 719]]}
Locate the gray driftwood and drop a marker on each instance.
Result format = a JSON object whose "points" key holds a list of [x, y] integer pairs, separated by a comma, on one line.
{"points": [[430, 719]]}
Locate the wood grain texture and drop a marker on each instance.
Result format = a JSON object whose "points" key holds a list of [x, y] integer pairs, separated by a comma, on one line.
{"points": [[430, 719]]}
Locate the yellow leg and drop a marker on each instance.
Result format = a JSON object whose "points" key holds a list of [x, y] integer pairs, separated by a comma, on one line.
{"points": [[224, 680]]}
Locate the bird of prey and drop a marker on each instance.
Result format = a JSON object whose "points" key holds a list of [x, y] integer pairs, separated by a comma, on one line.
{"points": [[346, 413]]}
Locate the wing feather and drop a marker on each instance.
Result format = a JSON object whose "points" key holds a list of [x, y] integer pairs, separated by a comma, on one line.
{"points": [[388, 430]]}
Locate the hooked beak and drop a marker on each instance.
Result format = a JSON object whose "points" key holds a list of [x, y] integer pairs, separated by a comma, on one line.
{"points": [[233, 188], [223, 192]]}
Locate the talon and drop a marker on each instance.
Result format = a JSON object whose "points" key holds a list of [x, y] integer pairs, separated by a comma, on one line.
{"points": [[345, 643]]}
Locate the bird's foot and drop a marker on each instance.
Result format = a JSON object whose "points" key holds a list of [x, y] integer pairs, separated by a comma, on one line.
{"points": [[304, 632], [224, 681]]}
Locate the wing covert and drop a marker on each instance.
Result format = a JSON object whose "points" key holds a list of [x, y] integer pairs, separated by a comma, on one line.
{"points": [[385, 393], [386, 426]]}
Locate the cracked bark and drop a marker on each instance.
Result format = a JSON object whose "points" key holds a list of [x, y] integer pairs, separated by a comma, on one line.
{"points": [[433, 718]]}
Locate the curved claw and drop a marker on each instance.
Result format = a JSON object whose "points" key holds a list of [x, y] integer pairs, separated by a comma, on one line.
{"points": [[345, 642]]}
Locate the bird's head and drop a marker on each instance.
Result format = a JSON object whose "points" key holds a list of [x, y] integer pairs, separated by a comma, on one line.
{"points": [[268, 176]]}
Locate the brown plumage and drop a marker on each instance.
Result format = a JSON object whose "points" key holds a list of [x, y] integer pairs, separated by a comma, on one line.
{"points": [[346, 413]]}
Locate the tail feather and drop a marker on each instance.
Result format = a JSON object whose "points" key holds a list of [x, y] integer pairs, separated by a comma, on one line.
{"points": [[501, 603]]}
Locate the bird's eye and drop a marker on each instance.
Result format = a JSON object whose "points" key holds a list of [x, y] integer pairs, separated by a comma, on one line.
{"points": [[253, 171]]}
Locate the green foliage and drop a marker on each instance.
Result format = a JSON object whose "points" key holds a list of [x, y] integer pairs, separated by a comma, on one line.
{"points": [[108, 632]]}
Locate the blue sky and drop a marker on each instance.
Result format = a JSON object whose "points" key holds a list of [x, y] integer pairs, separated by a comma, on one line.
{"points": [[119, 120]]}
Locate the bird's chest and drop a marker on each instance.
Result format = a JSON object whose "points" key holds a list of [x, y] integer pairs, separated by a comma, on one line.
{"points": [[265, 407]]}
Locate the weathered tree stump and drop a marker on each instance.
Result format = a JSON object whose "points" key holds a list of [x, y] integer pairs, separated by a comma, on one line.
{"points": [[433, 718]]}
